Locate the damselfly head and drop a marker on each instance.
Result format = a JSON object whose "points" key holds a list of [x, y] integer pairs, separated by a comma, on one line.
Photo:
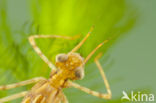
{"points": [[69, 61], [72, 63]]}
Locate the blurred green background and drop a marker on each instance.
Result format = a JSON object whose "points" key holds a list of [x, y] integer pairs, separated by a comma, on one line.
{"points": [[129, 57]]}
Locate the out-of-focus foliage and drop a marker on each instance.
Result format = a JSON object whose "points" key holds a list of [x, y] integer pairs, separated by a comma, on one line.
{"points": [[18, 61]]}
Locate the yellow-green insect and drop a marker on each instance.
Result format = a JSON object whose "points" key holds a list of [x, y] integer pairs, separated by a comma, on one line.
{"points": [[67, 68]]}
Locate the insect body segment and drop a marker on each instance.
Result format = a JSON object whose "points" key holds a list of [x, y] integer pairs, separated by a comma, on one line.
{"points": [[42, 92], [72, 61], [70, 66]]}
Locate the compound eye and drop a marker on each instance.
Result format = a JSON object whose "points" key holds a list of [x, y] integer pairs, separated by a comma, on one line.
{"points": [[79, 73], [61, 58]]}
